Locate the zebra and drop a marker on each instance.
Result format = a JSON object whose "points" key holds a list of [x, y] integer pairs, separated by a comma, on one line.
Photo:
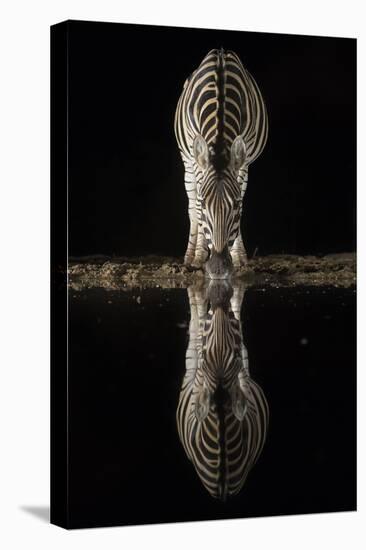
{"points": [[222, 414], [221, 127]]}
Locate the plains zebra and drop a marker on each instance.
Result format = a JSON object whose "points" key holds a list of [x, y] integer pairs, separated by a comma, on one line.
{"points": [[221, 127], [222, 414]]}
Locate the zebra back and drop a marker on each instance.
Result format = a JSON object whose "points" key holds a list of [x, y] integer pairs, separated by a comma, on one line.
{"points": [[220, 101]]}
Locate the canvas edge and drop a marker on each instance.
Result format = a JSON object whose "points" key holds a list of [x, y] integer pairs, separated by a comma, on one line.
{"points": [[59, 437]]}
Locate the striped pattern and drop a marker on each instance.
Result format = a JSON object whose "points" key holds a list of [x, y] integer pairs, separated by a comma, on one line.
{"points": [[222, 415], [220, 102]]}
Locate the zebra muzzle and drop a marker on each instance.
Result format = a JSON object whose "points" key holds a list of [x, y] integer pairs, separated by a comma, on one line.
{"points": [[219, 265]]}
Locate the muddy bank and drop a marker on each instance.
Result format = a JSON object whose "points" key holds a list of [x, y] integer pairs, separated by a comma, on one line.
{"points": [[337, 270]]}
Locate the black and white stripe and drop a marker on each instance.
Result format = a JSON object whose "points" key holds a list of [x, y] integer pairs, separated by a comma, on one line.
{"points": [[221, 127], [222, 415]]}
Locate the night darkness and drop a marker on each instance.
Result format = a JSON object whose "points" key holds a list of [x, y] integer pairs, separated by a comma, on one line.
{"points": [[126, 190]]}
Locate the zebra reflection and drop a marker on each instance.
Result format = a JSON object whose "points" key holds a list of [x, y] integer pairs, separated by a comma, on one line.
{"points": [[222, 413]]}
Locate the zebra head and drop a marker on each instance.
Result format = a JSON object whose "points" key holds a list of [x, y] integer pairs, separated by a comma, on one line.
{"points": [[221, 358], [221, 398], [219, 197]]}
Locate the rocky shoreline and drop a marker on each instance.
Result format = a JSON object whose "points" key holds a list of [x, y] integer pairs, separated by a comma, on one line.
{"points": [[338, 270]]}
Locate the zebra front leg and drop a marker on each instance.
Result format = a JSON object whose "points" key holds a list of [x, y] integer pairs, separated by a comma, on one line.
{"points": [[201, 252], [192, 240], [236, 303], [190, 185], [238, 253], [237, 298], [194, 324]]}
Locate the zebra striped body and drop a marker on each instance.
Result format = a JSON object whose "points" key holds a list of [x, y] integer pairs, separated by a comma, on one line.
{"points": [[222, 414], [221, 127]]}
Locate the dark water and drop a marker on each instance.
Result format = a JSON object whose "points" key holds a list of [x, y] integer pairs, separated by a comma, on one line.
{"points": [[127, 363]]}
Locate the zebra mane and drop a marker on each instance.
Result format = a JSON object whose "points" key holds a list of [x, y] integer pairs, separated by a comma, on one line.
{"points": [[220, 156]]}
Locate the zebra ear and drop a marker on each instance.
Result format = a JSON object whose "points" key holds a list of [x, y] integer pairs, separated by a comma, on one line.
{"points": [[200, 151], [239, 403], [238, 153], [202, 405]]}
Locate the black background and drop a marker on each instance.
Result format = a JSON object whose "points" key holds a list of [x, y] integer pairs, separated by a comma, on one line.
{"points": [[126, 188]]}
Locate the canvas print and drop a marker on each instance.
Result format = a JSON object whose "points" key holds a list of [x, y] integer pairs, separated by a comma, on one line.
{"points": [[203, 196]]}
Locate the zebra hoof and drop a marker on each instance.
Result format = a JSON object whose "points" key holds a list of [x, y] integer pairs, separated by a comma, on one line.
{"points": [[240, 264], [192, 266], [197, 265]]}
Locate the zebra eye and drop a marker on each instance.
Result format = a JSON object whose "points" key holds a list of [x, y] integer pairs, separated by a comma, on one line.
{"points": [[238, 153], [200, 151]]}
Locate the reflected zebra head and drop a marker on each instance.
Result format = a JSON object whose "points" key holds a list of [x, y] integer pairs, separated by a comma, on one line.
{"points": [[221, 357], [219, 189], [222, 413]]}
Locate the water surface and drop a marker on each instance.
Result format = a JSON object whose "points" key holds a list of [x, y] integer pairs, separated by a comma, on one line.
{"points": [[127, 364]]}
